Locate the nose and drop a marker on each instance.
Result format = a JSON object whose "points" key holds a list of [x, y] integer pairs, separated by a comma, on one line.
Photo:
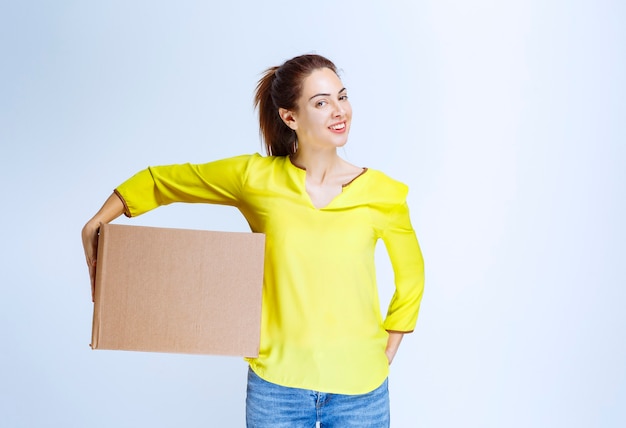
{"points": [[339, 109]]}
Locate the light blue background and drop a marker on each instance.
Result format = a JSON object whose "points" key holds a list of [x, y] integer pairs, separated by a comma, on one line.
{"points": [[506, 118]]}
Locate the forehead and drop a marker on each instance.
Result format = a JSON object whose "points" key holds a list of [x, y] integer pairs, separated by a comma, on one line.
{"points": [[321, 81]]}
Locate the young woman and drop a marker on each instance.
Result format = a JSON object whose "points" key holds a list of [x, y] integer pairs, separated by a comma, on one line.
{"points": [[325, 347]]}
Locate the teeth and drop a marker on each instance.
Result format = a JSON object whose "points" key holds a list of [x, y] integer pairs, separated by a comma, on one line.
{"points": [[338, 126]]}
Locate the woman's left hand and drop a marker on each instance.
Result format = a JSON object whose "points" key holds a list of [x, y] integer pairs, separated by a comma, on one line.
{"points": [[393, 343]]}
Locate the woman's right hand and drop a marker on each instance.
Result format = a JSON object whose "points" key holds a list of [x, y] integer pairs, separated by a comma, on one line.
{"points": [[112, 209], [90, 246]]}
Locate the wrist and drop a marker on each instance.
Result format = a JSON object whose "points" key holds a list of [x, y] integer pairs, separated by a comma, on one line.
{"points": [[90, 228]]}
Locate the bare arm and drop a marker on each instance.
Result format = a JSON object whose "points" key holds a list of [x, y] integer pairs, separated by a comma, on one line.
{"points": [[112, 209], [393, 343]]}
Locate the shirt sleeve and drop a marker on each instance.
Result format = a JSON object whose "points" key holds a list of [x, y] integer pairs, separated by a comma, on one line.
{"points": [[408, 267], [218, 182]]}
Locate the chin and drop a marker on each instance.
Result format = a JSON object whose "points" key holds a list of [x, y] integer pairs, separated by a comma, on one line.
{"points": [[339, 142]]}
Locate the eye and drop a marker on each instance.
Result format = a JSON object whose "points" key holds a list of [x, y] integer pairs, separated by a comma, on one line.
{"points": [[343, 97], [321, 103]]}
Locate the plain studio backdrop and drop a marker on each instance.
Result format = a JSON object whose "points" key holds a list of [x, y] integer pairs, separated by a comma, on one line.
{"points": [[505, 118]]}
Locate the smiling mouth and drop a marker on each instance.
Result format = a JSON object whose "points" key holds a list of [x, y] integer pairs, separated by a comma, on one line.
{"points": [[338, 126]]}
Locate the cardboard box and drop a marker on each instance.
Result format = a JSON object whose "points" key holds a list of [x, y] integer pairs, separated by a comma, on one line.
{"points": [[177, 290]]}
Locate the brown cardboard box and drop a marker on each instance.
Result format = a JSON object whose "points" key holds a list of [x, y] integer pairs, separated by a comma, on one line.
{"points": [[178, 290]]}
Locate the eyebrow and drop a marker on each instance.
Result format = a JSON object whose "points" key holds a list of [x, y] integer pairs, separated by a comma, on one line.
{"points": [[327, 95]]}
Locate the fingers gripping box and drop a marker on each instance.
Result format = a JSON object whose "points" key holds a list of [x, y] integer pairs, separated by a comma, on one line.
{"points": [[178, 290]]}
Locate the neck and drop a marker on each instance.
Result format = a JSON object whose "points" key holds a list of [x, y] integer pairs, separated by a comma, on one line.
{"points": [[319, 164]]}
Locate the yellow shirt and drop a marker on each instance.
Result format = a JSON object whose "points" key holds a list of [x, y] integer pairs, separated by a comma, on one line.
{"points": [[321, 325]]}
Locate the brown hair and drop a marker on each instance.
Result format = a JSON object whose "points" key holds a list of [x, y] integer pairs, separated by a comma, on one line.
{"points": [[281, 87]]}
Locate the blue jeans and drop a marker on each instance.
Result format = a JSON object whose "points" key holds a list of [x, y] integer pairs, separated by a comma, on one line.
{"points": [[273, 406]]}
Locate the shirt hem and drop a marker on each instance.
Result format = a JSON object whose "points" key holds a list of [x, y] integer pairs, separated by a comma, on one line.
{"points": [[126, 209]]}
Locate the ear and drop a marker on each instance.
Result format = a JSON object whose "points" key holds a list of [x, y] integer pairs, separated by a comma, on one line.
{"points": [[288, 117]]}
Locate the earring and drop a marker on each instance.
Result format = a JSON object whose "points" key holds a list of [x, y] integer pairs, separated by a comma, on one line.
{"points": [[294, 145]]}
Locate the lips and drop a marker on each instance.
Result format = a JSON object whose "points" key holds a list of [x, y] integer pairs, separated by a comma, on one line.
{"points": [[338, 126]]}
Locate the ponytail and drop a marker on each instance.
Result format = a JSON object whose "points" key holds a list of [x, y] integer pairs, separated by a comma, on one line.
{"points": [[279, 139], [281, 87]]}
